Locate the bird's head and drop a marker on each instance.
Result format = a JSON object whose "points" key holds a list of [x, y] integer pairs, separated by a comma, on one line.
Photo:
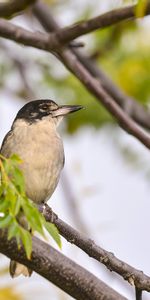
{"points": [[45, 109]]}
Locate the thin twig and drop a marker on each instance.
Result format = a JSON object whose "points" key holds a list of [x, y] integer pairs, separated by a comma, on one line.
{"points": [[48, 42], [21, 67], [70, 33], [128, 104], [92, 84], [132, 107], [71, 201], [137, 112]]}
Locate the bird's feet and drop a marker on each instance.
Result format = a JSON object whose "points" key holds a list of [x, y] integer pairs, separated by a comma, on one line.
{"points": [[47, 212]]}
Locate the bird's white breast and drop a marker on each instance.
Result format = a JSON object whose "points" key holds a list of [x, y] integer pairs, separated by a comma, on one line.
{"points": [[41, 150]]}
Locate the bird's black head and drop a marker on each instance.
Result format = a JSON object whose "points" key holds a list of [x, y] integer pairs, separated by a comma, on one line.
{"points": [[38, 109]]}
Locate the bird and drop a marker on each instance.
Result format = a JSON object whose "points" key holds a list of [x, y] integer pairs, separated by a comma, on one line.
{"points": [[35, 138]]}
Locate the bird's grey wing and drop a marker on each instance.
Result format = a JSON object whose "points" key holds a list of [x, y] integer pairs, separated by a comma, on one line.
{"points": [[4, 147]]}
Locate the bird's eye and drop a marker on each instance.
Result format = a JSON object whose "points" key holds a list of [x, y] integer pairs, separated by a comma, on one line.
{"points": [[43, 108]]}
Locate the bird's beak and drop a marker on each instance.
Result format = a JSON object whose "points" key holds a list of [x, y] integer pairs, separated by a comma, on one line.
{"points": [[65, 110]]}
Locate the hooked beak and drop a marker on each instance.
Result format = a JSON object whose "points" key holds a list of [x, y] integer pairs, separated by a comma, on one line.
{"points": [[65, 110]]}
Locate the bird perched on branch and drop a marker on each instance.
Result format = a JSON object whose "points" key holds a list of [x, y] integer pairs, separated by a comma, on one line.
{"points": [[34, 137]]}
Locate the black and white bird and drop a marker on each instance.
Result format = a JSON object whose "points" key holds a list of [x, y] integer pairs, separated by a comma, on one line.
{"points": [[34, 137]]}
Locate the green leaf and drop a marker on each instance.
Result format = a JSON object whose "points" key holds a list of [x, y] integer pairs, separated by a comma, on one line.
{"points": [[33, 216], [18, 179], [53, 231], [1, 189], [7, 166], [5, 221], [27, 241], [15, 159], [14, 204], [17, 206], [18, 239], [13, 230], [4, 205], [10, 197]]}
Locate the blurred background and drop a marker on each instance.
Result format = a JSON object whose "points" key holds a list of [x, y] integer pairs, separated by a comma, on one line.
{"points": [[104, 188]]}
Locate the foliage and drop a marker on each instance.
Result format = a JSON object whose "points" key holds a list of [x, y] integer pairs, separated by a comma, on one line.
{"points": [[18, 213], [124, 55]]}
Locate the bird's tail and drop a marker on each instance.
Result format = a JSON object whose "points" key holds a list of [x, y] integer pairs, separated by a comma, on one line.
{"points": [[17, 269]]}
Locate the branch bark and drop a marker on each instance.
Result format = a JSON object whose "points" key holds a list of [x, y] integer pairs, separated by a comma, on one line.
{"points": [[7, 9], [70, 60], [60, 270], [38, 40], [128, 104], [49, 43], [132, 275], [70, 33], [96, 89], [7, 30]]}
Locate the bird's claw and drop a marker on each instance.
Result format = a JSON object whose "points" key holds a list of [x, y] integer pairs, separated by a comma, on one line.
{"points": [[47, 212]]}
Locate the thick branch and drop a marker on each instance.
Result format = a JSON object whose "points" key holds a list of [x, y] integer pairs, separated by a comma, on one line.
{"points": [[9, 8], [69, 33], [132, 275], [93, 85], [18, 34], [60, 270]]}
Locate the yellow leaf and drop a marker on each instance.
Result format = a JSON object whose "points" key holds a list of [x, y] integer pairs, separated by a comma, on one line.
{"points": [[9, 293], [141, 8]]}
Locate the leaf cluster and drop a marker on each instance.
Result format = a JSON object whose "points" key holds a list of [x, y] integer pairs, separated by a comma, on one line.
{"points": [[18, 214]]}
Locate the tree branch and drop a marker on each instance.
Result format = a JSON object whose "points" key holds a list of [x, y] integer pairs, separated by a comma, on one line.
{"points": [[52, 42], [49, 43], [128, 104], [9, 8], [72, 204], [38, 40], [70, 33], [92, 84], [132, 275], [60, 270]]}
